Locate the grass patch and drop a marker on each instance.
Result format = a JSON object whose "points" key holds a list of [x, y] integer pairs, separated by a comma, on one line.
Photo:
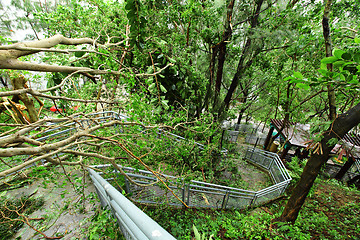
{"points": [[330, 212]]}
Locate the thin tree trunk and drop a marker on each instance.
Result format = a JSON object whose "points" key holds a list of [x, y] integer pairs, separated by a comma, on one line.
{"points": [[328, 49], [341, 125], [209, 86], [286, 117], [242, 65], [243, 107], [222, 50]]}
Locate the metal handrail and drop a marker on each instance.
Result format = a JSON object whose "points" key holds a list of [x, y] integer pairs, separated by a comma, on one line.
{"points": [[135, 223], [210, 192]]}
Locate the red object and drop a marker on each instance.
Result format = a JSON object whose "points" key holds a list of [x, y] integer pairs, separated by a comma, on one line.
{"points": [[54, 109]]}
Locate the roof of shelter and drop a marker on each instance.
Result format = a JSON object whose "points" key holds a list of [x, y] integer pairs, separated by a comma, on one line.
{"points": [[299, 134], [296, 133]]}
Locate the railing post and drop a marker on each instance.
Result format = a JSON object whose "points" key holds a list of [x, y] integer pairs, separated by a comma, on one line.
{"points": [[127, 185], [271, 163], [183, 192], [225, 200], [253, 200], [188, 194]]}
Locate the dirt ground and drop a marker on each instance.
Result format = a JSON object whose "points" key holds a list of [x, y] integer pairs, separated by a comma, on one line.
{"points": [[63, 211]]}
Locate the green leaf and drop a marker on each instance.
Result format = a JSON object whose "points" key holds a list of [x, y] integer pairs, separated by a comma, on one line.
{"points": [[149, 80], [289, 78], [323, 72], [295, 80], [332, 141], [172, 60], [163, 89], [158, 110], [354, 81], [284, 228], [337, 53], [129, 5], [323, 66], [165, 104], [328, 60], [149, 70], [357, 40], [342, 77], [298, 75], [196, 233], [131, 15], [152, 87], [79, 54], [303, 86], [338, 63], [357, 57]]}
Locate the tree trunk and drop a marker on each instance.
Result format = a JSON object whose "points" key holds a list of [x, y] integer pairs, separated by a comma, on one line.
{"points": [[20, 83], [242, 65], [222, 50], [328, 49], [286, 117], [342, 124], [243, 107], [209, 86], [345, 168]]}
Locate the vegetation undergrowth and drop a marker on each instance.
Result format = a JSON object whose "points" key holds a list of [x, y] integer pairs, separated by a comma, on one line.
{"points": [[103, 226], [331, 212]]}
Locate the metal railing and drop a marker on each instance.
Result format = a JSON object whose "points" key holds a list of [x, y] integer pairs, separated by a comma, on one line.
{"points": [[357, 165], [134, 223], [145, 187], [255, 137]]}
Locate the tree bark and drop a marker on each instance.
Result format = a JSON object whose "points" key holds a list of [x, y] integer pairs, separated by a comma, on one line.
{"points": [[209, 86], [341, 125], [20, 83], [328, 49], [242, 65], [345, 168], [243, 107], [222, 50], [286, 118]]}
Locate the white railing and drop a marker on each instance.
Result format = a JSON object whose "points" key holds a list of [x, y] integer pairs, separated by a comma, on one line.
{"points": [[145, 187]]}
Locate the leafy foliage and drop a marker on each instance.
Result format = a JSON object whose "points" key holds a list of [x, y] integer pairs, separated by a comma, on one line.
{"points": [[103, 226], [339, 219]]}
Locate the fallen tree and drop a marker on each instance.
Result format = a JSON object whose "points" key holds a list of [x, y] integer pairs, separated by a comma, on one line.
{"points": [[9, 55]]}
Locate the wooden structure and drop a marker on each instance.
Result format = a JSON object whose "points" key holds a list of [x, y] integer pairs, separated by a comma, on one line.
{"points": [[294, 135], [298, 135]]}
